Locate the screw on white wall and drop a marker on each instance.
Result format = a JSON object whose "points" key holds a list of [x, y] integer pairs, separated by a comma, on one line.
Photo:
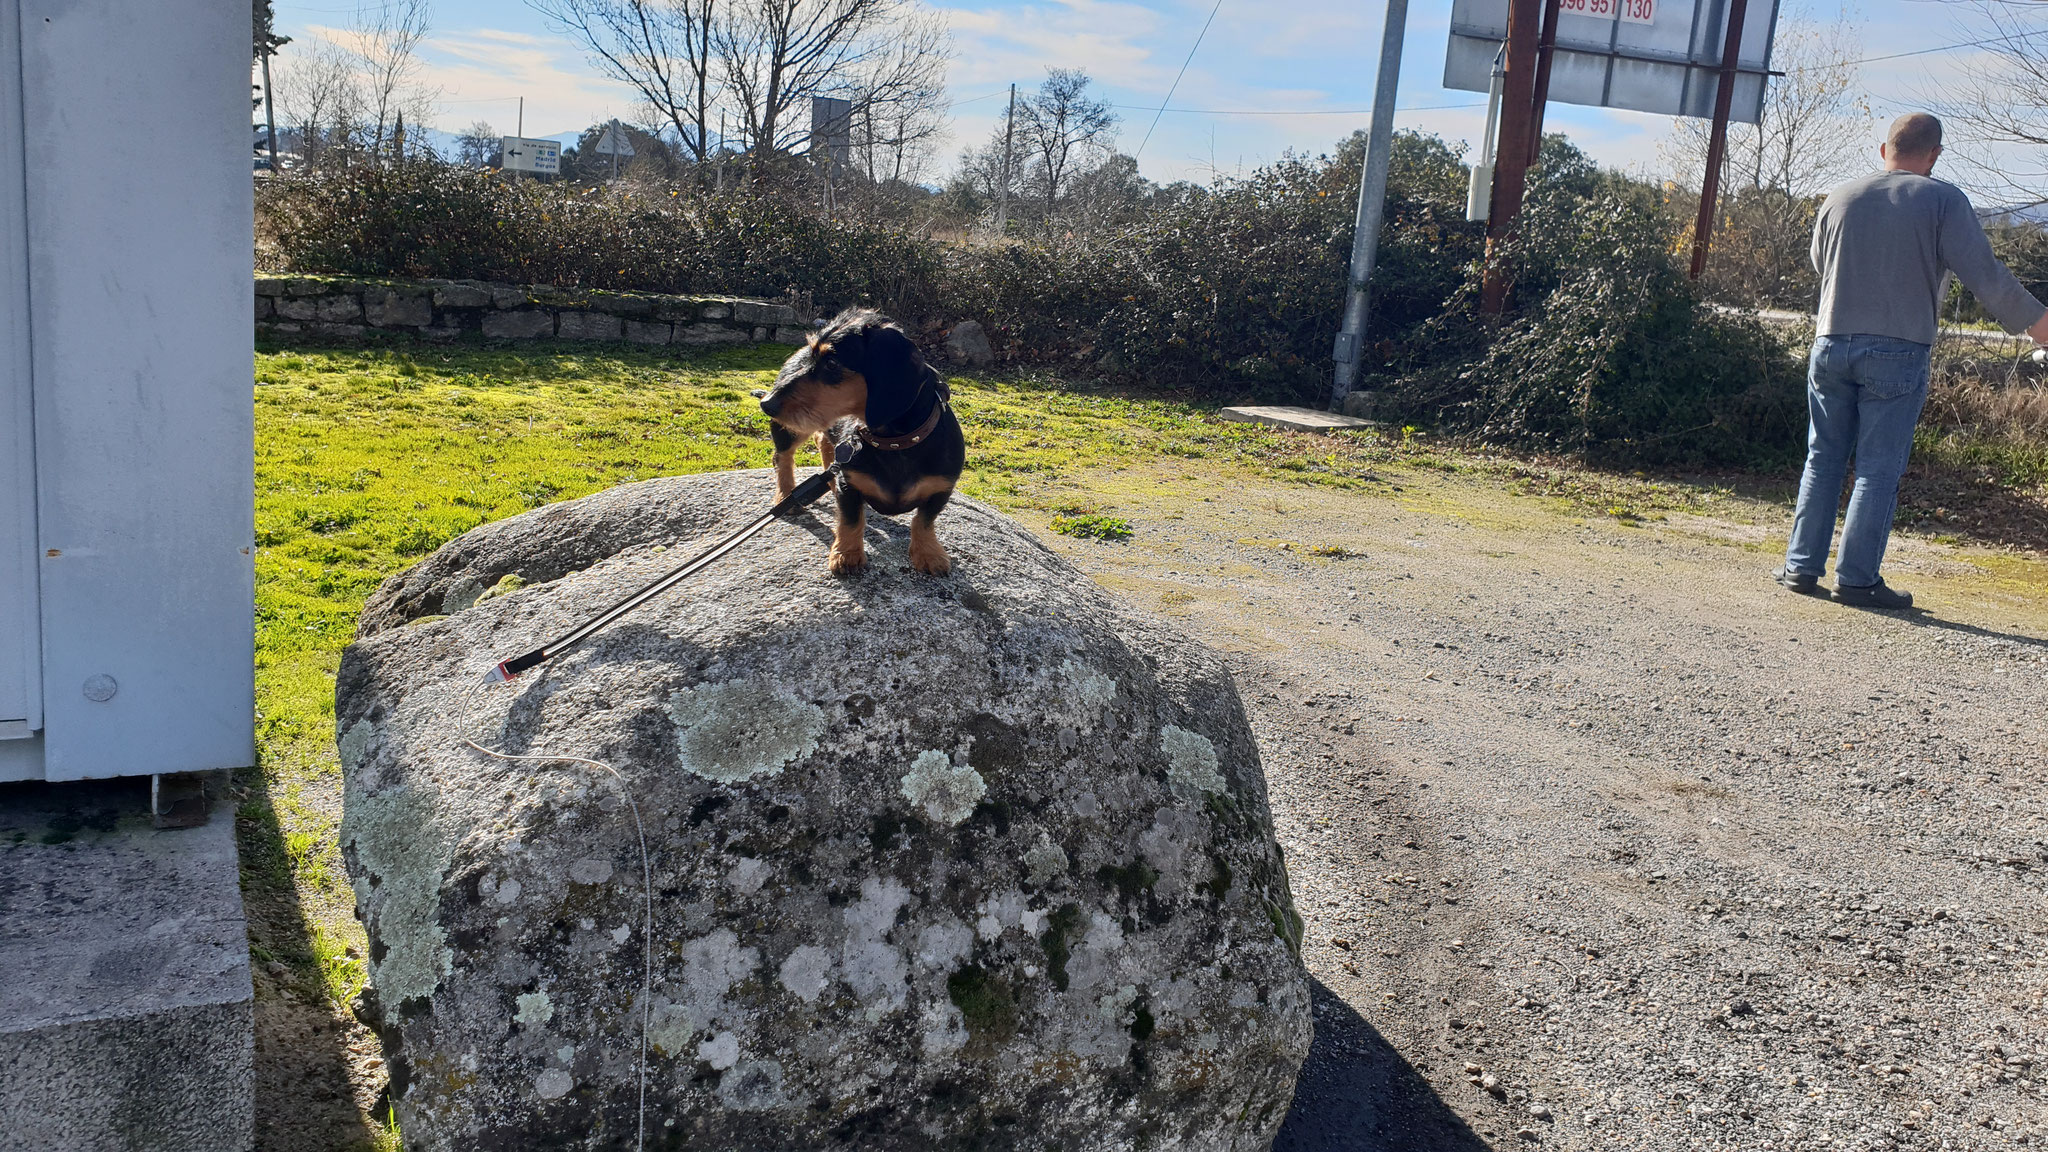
{"points": [[101, 688]]}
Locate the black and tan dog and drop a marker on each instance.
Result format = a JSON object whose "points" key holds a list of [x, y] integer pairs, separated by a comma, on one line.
{"points": [[862, 381]]}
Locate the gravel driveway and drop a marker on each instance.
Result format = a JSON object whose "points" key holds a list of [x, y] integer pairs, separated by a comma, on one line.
{"points": [[1605, 841]]}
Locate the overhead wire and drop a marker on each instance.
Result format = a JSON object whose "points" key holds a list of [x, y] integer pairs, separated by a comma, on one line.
{"points": [[1171, 88]]}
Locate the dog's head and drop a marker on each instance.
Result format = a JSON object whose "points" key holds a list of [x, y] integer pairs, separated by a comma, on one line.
{"points": [[860, 365]]}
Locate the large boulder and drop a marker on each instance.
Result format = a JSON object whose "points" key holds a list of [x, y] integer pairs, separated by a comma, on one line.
{"points": [[889, 862]]}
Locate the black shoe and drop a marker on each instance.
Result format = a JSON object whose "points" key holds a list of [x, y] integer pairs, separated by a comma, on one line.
{"points": [[1877, 595], [1798, 582]]}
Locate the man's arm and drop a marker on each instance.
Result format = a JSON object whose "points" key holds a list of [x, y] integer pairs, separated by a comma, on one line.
{"points": [[1966, 251]]}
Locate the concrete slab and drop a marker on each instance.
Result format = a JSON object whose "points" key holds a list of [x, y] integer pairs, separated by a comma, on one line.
{"points": [[1294, 419], [126, 1010]]}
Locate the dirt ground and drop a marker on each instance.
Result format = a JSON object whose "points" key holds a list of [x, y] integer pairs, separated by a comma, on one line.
{"points": [[1602, 839]]}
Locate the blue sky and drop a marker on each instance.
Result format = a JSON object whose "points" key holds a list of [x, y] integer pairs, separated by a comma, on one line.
{"points": [[1312, 59]]}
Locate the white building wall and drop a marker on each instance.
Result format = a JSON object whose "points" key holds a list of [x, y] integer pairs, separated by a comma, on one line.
{"points": [[134, 150]]}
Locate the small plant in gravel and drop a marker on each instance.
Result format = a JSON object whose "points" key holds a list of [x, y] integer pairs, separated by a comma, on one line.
{"points": [[1093, 527]]}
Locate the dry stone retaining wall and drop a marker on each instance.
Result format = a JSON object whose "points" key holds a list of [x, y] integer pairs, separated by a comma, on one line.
{"points": [[448, 309]]}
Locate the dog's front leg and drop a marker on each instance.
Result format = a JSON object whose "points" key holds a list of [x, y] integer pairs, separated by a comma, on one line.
{"points": [[849, 552], [785, 459], [927, 555]]}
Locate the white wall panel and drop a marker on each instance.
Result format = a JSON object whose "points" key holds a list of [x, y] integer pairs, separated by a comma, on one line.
{"points": [[21, 710], [138, 198]]}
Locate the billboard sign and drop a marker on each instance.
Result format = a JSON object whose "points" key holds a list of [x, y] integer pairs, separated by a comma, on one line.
{"points": [[522, 155], [1660, 56], [832, 131]]}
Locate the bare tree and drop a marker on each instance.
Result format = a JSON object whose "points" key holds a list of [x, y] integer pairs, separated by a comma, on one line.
{"points": [[478, 146], [318, 100], [1062, 129], [899, 101], [662, 49], [2000, 112], [1806, 139], [1811, 135], [761, 62], [387, 37]]}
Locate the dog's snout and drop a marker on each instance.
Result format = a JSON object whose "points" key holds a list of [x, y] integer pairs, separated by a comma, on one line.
{"points": [[771, 404]]}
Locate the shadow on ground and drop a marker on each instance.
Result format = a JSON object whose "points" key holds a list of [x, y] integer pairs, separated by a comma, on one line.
{"points": [[1358, 1094], [306, 1088]]}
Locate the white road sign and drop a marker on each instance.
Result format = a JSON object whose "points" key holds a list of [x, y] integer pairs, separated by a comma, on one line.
{"points": [[523, 155], [613, 142]]}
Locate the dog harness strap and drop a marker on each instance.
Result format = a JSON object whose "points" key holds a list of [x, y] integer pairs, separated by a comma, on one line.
{"points": [[912, 437]]}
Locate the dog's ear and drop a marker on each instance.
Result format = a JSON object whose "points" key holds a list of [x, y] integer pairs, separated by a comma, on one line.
{"points": [[890, 363]]}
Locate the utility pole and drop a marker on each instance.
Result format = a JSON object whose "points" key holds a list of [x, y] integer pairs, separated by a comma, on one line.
{"points": [[1517, 145], [721, 149], [1372, 204], [1717, 143], [521, 130], [617, 140], [1003, 190], [270, 113], [1545, 49]]}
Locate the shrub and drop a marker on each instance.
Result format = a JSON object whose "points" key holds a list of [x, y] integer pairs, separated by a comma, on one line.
{"points": [[1607, 352], [425, 219], [1613, 354]]}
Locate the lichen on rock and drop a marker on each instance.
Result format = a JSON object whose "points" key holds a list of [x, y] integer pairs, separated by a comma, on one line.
{"points": [[1190, 759], [936, 862], [396, 850], [946, 794], [736, 731]]}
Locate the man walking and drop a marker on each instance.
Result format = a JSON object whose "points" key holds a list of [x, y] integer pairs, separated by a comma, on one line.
{"points": [[1883, 246]]}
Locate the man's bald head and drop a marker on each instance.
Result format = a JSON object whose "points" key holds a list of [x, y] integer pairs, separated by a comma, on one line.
{"points": [[1912, 144], [1913, 135]]}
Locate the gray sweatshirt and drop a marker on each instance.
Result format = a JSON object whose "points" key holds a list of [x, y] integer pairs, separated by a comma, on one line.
{"points": [[1883, 245]]}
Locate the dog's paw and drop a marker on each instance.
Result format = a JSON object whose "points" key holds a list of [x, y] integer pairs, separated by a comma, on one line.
{"points": [[846, 563], [932, 561]]}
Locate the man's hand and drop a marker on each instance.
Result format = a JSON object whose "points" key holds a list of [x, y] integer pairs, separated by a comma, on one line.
{"points": [[2039, 332]]}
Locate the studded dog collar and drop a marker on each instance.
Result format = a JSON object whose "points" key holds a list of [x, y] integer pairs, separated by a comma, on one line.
{"points": [[908, 439]]}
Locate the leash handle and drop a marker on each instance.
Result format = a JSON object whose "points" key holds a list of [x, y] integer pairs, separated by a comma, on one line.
{"points": [[806, 494], [802, 496]]}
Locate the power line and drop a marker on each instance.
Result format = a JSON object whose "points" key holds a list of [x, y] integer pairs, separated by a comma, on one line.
{"points": [[1921, 51], [974, 99], [1298, 111], [1176, 79]]}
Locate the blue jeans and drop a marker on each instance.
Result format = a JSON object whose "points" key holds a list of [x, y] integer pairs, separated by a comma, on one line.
{"points": [[1863, 394]]}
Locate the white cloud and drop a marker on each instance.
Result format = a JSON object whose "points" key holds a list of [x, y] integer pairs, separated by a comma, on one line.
{"points": [[483, 71]]}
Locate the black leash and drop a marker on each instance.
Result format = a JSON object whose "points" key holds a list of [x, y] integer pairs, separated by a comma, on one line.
{"points": [[803, 496]]}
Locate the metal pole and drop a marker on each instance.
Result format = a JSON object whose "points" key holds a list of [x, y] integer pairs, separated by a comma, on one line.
{"points": [[1545, 49], [1518, 99], [1003, 191], [1372, 204], [270, 114], [1717, 144]]}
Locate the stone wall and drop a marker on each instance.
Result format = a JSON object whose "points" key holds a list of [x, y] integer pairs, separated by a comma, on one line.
{"points": [[448, 309]]}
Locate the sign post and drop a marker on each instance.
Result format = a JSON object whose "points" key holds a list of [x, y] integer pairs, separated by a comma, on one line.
{"points": [[1517, 148], [1372, 205], [613, 143], [1717, 142]]}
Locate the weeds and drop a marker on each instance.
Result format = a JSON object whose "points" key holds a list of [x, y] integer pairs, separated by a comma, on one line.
{"points": [[1093, 527]]}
